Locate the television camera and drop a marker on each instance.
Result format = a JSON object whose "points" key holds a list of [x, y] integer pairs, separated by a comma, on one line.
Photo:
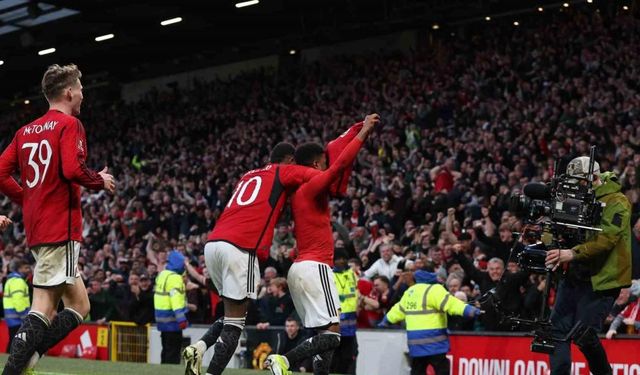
{"points": [[557, 215]]}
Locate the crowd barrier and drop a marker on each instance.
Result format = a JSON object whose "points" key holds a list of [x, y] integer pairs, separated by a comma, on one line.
{"points": [[380, 351], [85, 338], [384, 352]]}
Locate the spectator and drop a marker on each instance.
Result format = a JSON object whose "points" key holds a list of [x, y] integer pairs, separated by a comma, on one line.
{"points": [[141, 307], [103, 304], [496, 247], [385, 266], [403, 279], [289, 339], [510, 295], [444, 176], [375, 303], [630, 317], [283, 242], [123, 294], [277, 305], [454, 283], [269, 274]]}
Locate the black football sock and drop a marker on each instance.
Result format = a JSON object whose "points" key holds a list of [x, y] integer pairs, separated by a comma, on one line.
{"points": [[212, 334], [322, 363], [65, 322], [322, 343], [225, 345], [30, 335]]}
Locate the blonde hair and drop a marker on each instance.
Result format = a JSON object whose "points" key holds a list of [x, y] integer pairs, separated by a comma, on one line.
{"points": [[279, 282], [57, 78]]}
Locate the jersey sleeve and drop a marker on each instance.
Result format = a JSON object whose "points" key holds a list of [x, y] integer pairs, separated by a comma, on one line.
{"points": [[177, 297], [441, 300], [73, 150], [397, 312], [321, 182], [9, 164], [292, 176], [334, 148]]}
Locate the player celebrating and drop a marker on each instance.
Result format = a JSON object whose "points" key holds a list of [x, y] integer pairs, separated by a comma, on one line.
{"points": [[310, 278], [244, 231], [50, 154]]}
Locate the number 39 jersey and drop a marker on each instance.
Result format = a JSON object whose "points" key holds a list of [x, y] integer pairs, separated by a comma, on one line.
{"points": [[50, 154], [250, 216]]}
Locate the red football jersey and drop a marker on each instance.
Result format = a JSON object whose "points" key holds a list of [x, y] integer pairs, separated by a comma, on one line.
{"points": [[310, 207], [50, 154], [334, 148], [250, 217]]}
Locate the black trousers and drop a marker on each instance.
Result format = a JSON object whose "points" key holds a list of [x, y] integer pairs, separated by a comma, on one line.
{"points": [[171, 346], [12, 332], [344, 357], [439, 362], [576, 301]]}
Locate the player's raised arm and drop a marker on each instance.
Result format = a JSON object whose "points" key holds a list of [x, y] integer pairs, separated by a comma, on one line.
{"points": [[334, 148], [322, 182], [339, 143], [8, 164], [73, 152]]}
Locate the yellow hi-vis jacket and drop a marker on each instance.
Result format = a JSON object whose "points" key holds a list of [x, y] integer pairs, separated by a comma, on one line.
{"points": [[15, 299], [424, 308], [346, 283], [170, 302]]}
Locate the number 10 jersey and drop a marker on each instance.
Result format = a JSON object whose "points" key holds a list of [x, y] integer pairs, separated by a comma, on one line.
{"points": [[50, 155], [250, 216]]}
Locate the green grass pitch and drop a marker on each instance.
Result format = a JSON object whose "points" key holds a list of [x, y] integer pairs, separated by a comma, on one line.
{"points": [[64, 366]]}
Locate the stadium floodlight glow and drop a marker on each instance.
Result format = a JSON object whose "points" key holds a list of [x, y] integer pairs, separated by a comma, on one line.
{"points": [[104, 37], [247, 3], [27, 101], [46, 51], [566, 5], [625, 7], [540, 9], [516, 23], [487, 18], [589, 1], [292, 52], [171, 21], [435, 26]]}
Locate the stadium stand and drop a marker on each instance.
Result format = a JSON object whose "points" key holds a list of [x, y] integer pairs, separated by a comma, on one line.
{"points": [[466, 123]]}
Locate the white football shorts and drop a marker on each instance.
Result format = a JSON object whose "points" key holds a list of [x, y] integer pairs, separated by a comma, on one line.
{"points": [[234, 272], [314, 293]]}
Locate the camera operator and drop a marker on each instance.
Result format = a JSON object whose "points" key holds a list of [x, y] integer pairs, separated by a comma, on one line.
{"points": [[598, 269]]}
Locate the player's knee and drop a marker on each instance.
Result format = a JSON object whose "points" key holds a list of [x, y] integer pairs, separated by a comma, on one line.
{"points": [[80, 307], [330, 339]]}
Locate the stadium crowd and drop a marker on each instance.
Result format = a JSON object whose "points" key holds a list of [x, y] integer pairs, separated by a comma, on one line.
{"points": [[466, 123]]}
